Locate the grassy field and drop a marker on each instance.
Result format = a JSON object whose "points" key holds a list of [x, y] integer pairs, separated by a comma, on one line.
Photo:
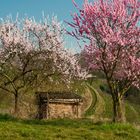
{"points": [[13, 129]]}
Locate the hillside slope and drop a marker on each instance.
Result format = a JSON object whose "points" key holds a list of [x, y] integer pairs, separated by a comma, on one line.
{"points": [[104, 104], [98, 108]]}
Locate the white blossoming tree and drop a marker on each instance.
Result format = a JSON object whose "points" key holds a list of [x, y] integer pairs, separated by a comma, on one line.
{"points": [[30, 51]]}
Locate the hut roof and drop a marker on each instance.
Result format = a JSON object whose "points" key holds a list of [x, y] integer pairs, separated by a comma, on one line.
{"points": [[55, 96]]}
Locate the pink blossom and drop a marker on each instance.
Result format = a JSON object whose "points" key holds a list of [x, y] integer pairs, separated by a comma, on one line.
{"points": [[114, 34]]}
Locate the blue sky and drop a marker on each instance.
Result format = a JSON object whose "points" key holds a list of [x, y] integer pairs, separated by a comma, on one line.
{"points": [[61, 8]]}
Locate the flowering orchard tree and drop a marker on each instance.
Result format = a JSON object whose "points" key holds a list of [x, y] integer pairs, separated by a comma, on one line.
{"points": [[55, 59], [30, 51], [15, 58], [111, 28]]}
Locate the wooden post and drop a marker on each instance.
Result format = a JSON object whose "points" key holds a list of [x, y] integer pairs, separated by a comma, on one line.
{"points": [[47, 116], [40, 109]]}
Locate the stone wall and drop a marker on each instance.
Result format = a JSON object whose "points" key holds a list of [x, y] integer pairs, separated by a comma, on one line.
{"points": [[64, 110]]}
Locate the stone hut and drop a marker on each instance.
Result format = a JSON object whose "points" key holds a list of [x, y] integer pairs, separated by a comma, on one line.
{"points": [[58, 105]]}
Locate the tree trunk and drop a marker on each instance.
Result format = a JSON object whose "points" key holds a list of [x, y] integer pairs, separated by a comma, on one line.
{"points": [[119, 110], [16, 104]]}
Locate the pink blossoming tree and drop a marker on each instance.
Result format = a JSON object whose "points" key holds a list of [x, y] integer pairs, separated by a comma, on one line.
{"points": [[31, 53], [111, 29]]}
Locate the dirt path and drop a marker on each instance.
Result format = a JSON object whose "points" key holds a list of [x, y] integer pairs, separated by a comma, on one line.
{"points": [[99, 106], [87, 100], [93, 103]]}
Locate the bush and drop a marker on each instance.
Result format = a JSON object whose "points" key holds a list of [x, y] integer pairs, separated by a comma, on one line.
{"points": [[6, 117], [104, 88]]}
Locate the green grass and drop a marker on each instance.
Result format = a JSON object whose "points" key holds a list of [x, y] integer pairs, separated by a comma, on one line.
{"points": [[64, 129]]}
